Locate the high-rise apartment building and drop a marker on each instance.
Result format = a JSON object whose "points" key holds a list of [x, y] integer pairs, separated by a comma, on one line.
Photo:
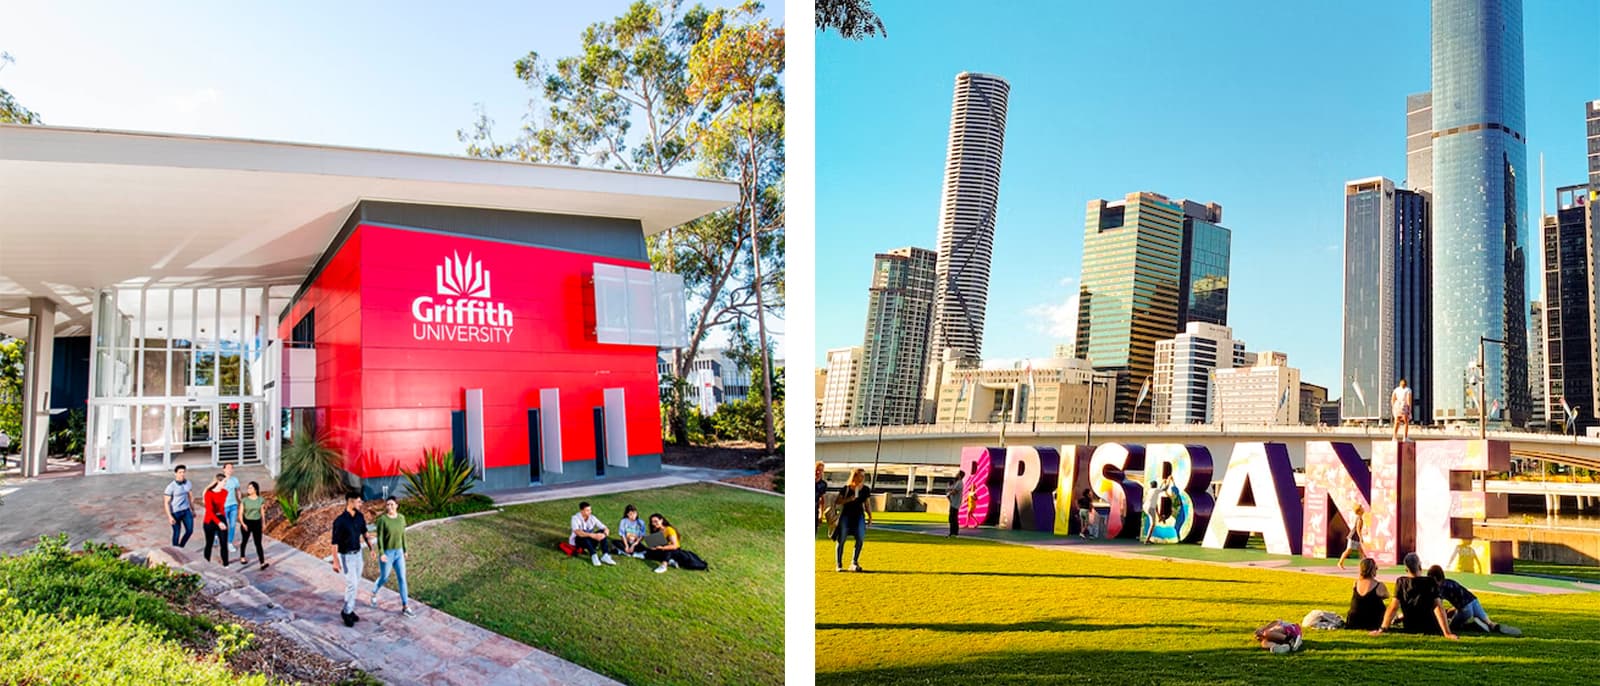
{"points": [[1387, 299], [1128, 296], [842, 387], [1592, 118], [821, 381], [1569, 281], [1539, 418], [1419, 142], [895, 347], [1183, 367], [1479, 202], [967, 213], [1267, 392], [1203, 282]]}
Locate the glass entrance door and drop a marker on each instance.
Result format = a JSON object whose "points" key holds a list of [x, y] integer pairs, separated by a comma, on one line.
{"points": [[198, 426]]}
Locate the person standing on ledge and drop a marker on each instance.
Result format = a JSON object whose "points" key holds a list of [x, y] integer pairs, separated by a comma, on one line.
{"points": [[1400, 403], [957, 488]]}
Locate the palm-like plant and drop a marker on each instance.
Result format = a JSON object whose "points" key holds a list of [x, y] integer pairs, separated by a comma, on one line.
{"points": [[439, 480], [312, 469]]}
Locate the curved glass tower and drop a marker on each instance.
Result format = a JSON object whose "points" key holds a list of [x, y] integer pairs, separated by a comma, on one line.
{"points": [[1479, 205]]}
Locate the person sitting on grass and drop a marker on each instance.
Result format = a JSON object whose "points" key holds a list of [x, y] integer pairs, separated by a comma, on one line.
{"points": [[1367, 599], [1279, 636], [1416, 600], [591, 535], [631, 528], [1468, 610], [671, 553]]}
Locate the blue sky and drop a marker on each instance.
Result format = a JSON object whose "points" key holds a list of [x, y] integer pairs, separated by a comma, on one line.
{"points": [[1266, 108], [395, 75]]}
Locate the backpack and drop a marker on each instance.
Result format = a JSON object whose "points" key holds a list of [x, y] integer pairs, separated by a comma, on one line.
{"points": [[567, 548], [1322, 619], [691, 561]]}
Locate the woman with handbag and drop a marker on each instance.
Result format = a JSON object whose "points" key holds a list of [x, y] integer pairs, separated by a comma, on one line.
{"points": [[854, 516]]}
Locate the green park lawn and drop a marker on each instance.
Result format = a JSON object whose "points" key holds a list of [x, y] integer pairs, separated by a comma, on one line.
{"points": [[932, 611], [722, 626]]}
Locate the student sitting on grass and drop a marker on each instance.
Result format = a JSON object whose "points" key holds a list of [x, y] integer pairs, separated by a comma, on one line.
{"points": [[1468, 610], [1367, 599], [631, 528], [667, 548], [1416, 599], [590, 535], [1279, 636]]}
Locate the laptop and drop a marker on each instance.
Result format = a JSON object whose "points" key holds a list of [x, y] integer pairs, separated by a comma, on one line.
{"points": [[656, 540]]}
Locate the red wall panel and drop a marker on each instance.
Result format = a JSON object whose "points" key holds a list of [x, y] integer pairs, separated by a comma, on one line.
{"points": [[390, 382]]}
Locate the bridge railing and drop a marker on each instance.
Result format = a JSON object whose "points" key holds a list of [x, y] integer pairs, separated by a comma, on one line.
{"points": [[1292, 430]]}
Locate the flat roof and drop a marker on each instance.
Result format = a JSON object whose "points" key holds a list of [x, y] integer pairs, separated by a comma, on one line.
{"points": [[83, 209]]}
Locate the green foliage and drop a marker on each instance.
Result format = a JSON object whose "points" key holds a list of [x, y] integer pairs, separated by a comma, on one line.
{"points": [[740, 420], [50, 579], [777, 481], [438, 482], [69, 439], [853, 19], [38, 647], [11, 111], [232, 639], [416, 511], [111, 550], [11, 403], [311, 469], [289, 505]]}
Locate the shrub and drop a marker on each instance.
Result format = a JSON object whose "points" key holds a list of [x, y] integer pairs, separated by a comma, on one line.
{"points": [[50, 579], [311, 469], [415, 512], [103, 549], [289, 505], [232, 639], [37, 647], [439, 480]]}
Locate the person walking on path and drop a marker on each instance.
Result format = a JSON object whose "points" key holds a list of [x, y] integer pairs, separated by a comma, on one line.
{"points": [[1353, 544], [216, 519], [231, 484], [822, 492], [1086, 514], [392, 543], [1152, 512], [1400, 405], [956, 492], [179, 507], [349, 531], [250, 509], [590, 534], [854, 516]]}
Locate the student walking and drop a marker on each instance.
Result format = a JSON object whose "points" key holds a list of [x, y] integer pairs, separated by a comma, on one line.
{"points": [[957, 488], [855, 514], [349, 531], [231, 509], [216, 519], [392, 543], [250, 508], [180, 512]]}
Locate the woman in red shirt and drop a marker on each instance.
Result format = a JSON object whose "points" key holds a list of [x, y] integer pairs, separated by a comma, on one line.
{"points": [[216, 520]]}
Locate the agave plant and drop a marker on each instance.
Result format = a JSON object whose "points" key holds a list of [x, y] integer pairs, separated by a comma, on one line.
{"points": [[311, 469], [439, 480], [289, 505]]}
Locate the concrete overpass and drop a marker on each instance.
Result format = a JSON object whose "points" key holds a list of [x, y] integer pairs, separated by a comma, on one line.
{"points": [[937, 444]]}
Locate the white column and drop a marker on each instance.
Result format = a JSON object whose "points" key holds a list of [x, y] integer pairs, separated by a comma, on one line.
{"points": [[39, 357]]}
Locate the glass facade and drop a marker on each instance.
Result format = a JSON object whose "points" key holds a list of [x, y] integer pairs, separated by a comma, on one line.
{"points": [[178, 373], [1368, 310], [1568, 328], [899, 319], [1205, 273], [1479, 200]]}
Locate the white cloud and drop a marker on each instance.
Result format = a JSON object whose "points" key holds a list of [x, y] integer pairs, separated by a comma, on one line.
{"points": [[1058, 320]]}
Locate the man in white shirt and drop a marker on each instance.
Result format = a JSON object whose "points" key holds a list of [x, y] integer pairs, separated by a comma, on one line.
{"points": [[1152, 512], [1400, 405], [591, 535]]}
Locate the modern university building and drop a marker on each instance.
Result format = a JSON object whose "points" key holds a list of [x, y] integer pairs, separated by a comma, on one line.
{"points": [[201, 299]]}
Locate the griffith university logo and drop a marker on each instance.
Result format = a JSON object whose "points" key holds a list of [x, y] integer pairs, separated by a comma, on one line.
{"points": [[463, 312]]}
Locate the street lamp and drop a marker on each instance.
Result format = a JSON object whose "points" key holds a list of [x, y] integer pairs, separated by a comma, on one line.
{"points": [[1088, 418]]}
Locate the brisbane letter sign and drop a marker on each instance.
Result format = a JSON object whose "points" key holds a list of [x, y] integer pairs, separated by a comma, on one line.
{"points": [[1418, 496]]}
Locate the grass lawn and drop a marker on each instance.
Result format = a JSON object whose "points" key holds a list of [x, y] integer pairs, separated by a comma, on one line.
{"points": [[932, 610], [722, 626]]}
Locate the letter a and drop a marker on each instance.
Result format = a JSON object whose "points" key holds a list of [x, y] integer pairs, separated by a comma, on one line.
{"points": [[1265, 469]]}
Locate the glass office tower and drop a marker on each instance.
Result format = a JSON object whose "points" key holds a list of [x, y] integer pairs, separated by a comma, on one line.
{"points": [[1479, 202]]}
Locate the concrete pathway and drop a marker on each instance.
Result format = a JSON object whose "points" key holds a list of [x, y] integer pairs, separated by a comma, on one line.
{"points": [[298, 594]]}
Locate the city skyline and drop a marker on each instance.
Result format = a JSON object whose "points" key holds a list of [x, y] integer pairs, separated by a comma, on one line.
{"points": [[1054, 164]]}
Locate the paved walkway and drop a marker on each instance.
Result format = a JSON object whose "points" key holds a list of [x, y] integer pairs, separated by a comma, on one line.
{"points": [[298, 594]]}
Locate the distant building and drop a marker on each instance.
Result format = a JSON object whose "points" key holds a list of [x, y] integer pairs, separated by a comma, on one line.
{"points": [[1592, 119], [1539, 419], [1419, 142], [821, 381], [1387, 299], [1568, 330], [843, 389], [1203, 283], [1183, 366], [1312, 398], [895, 345], [1330, 412], [714, 377], [1045, 391], [1267, 392]]}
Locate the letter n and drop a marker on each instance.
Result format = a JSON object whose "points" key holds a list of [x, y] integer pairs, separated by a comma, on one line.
{"points": [[1336, 476], [1264, 470]]}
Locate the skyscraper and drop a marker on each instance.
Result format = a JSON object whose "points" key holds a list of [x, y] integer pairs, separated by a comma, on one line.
{"points": [[1129, 293], [967, 211], [1479, 199], [1419, 142], [1539, 417], [1203, 284], [842, 387], [1568, 330], [895, 347], [1387, 299]]}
